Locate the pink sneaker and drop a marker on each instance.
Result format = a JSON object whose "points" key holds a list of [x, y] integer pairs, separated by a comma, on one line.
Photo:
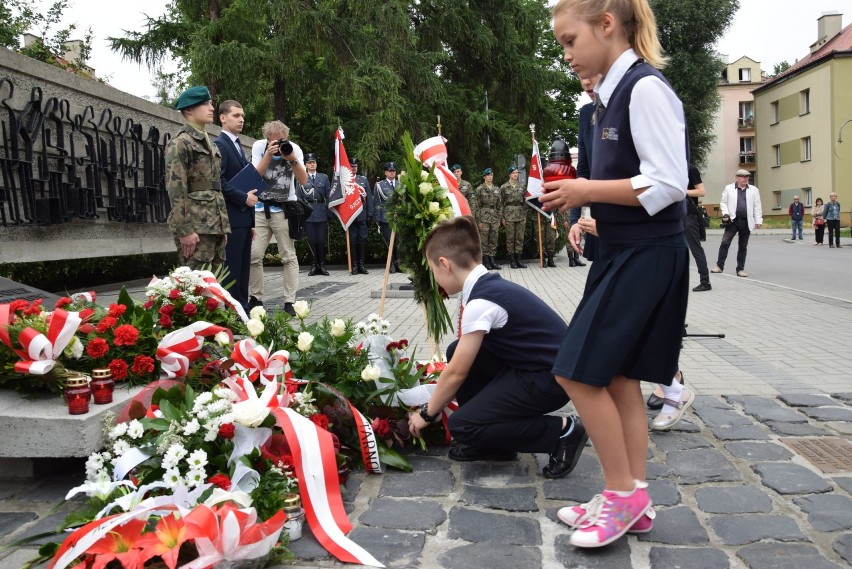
{"points": [[578, 516], [615, 517]]}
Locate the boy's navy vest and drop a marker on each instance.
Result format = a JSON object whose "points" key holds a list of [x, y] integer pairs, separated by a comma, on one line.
{"points": [[533, 332], [616, 159]]}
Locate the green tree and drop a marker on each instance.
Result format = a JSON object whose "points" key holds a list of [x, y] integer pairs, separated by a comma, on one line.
{"points": [[780, 68], [688, 31]]}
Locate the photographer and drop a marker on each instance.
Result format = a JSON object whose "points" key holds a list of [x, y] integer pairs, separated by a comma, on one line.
{"points": [[279, 161]]}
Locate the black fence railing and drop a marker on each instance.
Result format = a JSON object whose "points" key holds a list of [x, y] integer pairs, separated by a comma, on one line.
{"points": [[56, 166]]}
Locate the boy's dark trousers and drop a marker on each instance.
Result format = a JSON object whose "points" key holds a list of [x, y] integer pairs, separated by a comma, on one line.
{"points": [[505, 409]]}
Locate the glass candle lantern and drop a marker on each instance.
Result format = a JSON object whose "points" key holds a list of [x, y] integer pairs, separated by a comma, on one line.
{"points": [[102, 385], [295, 516], [77, 394]]}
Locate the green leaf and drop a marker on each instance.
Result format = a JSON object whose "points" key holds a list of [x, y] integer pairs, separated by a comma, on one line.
{"points": [[393, 458], [124, 298]]}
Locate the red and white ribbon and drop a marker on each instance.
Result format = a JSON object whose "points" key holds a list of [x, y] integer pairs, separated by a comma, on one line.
{"points": [[217, 291], [250, 356], [39, 352], [179, 348], [316, 468], [89, 296], [434, 151]]}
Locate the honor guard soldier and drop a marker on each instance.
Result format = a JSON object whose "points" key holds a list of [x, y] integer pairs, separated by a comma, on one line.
{"points": [[489, 213], [514, 217], [199, 216], [550, 232], [315, 192], [358, 228], [465, 187], [383, 191]]}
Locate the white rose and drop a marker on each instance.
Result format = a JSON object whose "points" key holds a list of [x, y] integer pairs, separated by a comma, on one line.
{"points": [[258, 313], [250, 413], [338, 327], [255, 327], [222, 338], [302, 309], [442, 217], [425, 188], [306, 339], [434, 207], [424, 175], [371, 373]]}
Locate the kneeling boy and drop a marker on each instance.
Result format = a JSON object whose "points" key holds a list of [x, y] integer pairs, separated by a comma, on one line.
{"points": [[499, 371]]}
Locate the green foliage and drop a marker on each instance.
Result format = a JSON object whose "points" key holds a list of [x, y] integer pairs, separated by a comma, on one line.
{"points": [[780, 68]]}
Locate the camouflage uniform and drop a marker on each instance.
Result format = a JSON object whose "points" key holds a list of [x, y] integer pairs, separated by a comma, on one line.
{"points": [[515, 216], [466, 188], [488, 213], [193, 180], [550, 234]]}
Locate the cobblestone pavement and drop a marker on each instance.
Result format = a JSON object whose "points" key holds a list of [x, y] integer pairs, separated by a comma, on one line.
{"points": [[759, 475]]}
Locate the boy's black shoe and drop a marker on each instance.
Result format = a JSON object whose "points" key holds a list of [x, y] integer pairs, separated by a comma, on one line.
{"points": [[568, 452], [288, 308], [702, 287], [467, 453], [253, 301]]}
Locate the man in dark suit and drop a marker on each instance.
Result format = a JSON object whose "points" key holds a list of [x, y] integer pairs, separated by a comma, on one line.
{"points": [[381, 193], [240, 204], [358, 227], [315, 192]]}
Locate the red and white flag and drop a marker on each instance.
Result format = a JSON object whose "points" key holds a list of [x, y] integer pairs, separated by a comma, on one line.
{"points": [[535, 181], [345, 199], [434, 151]]}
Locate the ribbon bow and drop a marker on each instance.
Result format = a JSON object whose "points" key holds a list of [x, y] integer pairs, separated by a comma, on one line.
{"points": [[215, 290], [179, 348], [40, 352], [250, 356]]}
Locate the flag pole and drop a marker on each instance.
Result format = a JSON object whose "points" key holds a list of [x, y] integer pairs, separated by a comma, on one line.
{"points": [[387, 274], [538, 217], [348, 253]]}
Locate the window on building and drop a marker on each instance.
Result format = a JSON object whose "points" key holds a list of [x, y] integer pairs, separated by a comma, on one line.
{"points": [[776, 155], [806, 195], [806, 148], [746, 150], [746, 114], [777, 196], [745, 74], [804, 102], [775, 116]]}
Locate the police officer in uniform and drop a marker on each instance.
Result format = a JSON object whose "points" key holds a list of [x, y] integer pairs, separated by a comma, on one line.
{"points": [[199, 216], [358, 228], [489, 213], [465, 187], [382, 192], [315, 192], [514, 217]]}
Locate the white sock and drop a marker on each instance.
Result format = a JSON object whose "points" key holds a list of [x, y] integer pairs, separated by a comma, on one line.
{"points": [[672, 392]]}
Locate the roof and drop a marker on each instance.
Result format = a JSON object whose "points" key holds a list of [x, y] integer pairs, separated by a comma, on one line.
{"points": [[841, 43]]}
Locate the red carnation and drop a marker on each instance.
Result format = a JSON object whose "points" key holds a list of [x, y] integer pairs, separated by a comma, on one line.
{"points": [[34, 308], [391, 346], [86, 313], [116, 310], [142, 365], [18, 305], [148, 305], [402, 344], [97, 348], [220, 480], [166, 321], [118, 369], [320, 420], [227, 430], [403, 360], [174, 294], [381, 427], [105, 324], [190, 309], [126, 335], [167, 309], [212, 304], [62, 302]]}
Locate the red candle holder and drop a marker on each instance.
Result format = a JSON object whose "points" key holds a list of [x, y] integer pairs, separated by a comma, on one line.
{"points": [[102, 386], [77, 394]]}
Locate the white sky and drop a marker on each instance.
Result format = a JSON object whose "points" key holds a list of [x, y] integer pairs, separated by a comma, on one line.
{"points": [[769, 31]]}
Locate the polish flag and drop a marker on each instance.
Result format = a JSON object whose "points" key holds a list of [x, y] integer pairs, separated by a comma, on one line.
{"points": [[534, 183], [433, 151], [345, 199]]}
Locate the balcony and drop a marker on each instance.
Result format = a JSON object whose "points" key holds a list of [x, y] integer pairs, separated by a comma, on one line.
{"points": [[747, 157], [744, 123]]}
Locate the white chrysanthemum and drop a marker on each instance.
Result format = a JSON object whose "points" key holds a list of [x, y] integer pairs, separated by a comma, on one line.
{"points": [[197, 459], [120, 447], [361, 328], [135, 429], [172, 477], [191, 428], [118, 431], [211, 434], [219, 406], [385, 325], [195, 478], [176, 451], [373, 317], [95, 462]]}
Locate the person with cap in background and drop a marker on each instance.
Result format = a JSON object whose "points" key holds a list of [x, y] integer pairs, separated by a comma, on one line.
{"points": [[465, 187], [199, 216], [358, 228], [741, 204], [382, 192], [514, 217], [489, 214], [315, 192]]}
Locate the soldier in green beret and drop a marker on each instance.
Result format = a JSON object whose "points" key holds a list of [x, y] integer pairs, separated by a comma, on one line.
{"points": [[465, 187], [488, 214], [199, 216], [514, 217]]}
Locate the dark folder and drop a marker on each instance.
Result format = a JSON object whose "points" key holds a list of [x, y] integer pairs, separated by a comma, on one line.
{"points": [[248, 179]]}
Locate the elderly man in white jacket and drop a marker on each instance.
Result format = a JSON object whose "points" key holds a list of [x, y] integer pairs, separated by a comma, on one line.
{"points": [[741, 202]]}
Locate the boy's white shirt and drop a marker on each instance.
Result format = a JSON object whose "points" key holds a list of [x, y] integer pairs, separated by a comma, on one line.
{"points": [[480, 314]]}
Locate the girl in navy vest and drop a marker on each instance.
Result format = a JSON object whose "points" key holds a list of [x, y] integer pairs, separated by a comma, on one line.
{"points": [[629, 324]]}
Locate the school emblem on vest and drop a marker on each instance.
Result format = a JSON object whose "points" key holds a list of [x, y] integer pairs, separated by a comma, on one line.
{"points": [[609, 134]]}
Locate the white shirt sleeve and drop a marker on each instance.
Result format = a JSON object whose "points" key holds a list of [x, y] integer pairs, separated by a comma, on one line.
{"points": [[257, 150], [659, 134], [483, 315]]}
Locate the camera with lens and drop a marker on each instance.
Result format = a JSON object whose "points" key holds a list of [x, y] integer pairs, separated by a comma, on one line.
{"points": [[726, 221], [285, 147]]}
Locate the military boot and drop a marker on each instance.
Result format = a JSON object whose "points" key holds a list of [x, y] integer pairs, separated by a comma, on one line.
{"points": [[518, 261], [321, 264], [513, 261], [362, 258], [314, 254], [494, 264], [550, 263], [577, 261]]}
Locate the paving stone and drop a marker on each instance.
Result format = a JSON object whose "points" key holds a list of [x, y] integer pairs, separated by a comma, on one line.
{"points": [[11, 521], [691, 558], [685, 426], [664, 492], [495, 475], [614, 556], [797, 429], [790, 478], [515, 500], [668, 442], [54, 489], [423, 515], [698, 466], [471, 525], [764, 409], [394, 548], [843, 546], [844, 482], [11, 488], [844, 428], [676, 526], [415, 484], [714, 417], [710, 402], [748, 433], [846, 396], [353, 485], [783, 556], [806, 400], [733, 500], [828, 413], [307, 548], [421, 463], [827, 512], [758, 452], [749, 528], [573, 489], [656, 470], [491, 555]]}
